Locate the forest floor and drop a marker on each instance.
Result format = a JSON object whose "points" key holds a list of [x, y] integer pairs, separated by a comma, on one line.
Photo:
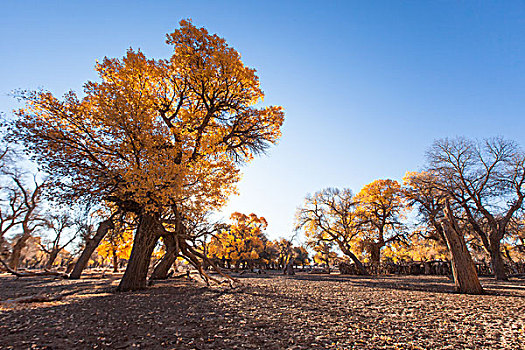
{"points": [[266, 312]]}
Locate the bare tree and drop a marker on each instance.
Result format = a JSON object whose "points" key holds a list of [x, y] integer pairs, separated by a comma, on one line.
{"points": [[486, 179], [59, 225], [11, 212], [31, 219]]}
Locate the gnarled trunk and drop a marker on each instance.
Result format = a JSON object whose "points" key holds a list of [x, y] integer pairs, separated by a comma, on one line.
{"points": [[465, 276], [91, 245], [161, 270], [147, 235], [288, 269], [355, 259]]}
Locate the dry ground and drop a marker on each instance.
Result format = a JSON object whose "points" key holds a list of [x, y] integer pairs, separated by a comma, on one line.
{"points": [[266, 312]]}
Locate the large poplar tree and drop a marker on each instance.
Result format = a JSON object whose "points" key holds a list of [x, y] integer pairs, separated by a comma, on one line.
{"points": [[153, 136]]}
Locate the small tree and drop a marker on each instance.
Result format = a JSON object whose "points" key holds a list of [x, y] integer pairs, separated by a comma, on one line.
{"points": [[324, 254], [116, 245], [31, 220]]}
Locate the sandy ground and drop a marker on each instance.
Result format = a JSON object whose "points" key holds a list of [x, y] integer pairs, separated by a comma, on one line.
{"points": [[267, 312]]}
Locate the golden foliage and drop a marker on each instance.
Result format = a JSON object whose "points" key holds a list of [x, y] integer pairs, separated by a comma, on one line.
{"points": [[154, 132], [243, 241]]}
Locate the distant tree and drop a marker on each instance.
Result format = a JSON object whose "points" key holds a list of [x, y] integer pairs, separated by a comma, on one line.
{"points": [[31, 220], [301, 256], [378, 215], [286, 255], [324, 254], [329, 215], [116, 245], [58, 225], [242, 242]]}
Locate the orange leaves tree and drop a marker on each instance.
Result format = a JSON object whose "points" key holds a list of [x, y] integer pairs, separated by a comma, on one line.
{"points": [[116, 245], [243, 241], [330, 216], [379, 206], [155, 137]]}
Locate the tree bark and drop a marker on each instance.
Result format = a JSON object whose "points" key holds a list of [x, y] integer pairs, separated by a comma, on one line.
{"points": [[91, 245], [115, 261], [135, 277], [375, 253], [465, 275], [160, 272], [497, 263]]}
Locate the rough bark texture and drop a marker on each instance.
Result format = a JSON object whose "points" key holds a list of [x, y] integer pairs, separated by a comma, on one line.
{"points": [[465, 276], [496, 259], [91, 245], [172, 251], [135, 277]]}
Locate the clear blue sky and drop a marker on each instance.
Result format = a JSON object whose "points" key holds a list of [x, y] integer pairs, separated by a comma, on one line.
{"points": [[366, 85]]}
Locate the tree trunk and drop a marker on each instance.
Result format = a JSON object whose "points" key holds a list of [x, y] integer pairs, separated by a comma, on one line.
{"points": [[355, 259], [375, 254], [91, 245], [115, 261], [14, 259], [160, 272], [52, 257], [465, 275], [497, 263], [147, 235], [288, 270]]}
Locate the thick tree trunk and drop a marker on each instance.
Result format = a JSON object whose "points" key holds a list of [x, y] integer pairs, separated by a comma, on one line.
{"points": [[375, 253], [91, 245], [52, 257], [465, 275], [14, 259], [355, 259], [160, 272], [147, 235], [497, 263]]}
